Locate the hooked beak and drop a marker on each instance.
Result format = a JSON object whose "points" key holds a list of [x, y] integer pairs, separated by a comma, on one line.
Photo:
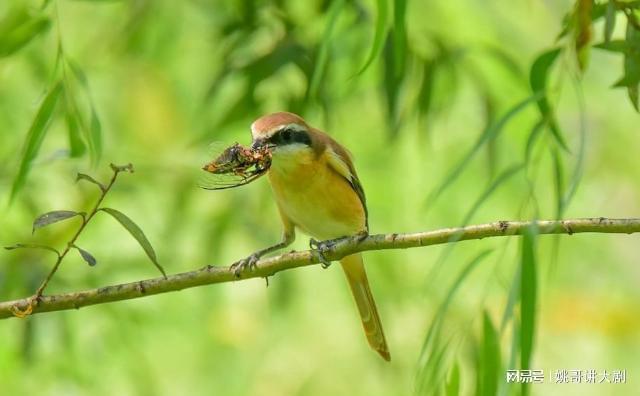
{"points": [[258, 143], [262, 143]]}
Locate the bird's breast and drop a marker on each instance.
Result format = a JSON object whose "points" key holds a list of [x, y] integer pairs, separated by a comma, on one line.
{"points": [[314, 197]]}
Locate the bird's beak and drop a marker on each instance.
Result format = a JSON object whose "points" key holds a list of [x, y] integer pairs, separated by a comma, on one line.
{"points": [[257, 144]]}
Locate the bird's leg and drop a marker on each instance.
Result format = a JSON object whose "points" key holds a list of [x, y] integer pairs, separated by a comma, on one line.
{"points": [[250, 262], [321, 247]]}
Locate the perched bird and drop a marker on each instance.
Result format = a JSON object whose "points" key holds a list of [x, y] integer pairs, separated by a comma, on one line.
{"points": [[317, 190]]}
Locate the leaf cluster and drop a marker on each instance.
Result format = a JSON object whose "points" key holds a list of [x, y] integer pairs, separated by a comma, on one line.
{"points": [[57, 216]]}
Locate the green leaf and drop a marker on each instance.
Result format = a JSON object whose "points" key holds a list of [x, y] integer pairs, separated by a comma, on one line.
{"points": [[76, 146], [379, 36], [610, 21], [78, 73], [613, 46], [433, 375], [96, 136], [578, 170], [633, 93], [137, 233], [491, 132], [597, 10], [399, 36], [531, 140], [489, 358], [428, 362], [538, 81], [452, 387], [94, 132], [18, 28], [86, 256], [32, 246], [425, 96], [502, 178], [320, 66], [528, 292], [35, 136], [558, 178], [512, 300], [504, 387], [632, 64], [54, 217], [392, 83], [486, 194], [82, 176]]}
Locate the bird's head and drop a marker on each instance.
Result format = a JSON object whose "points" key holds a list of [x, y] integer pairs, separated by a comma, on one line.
{"points": [[285, 133]]}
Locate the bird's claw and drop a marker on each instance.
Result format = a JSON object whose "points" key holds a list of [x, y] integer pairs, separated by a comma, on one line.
{"points": [[320, 247], [246, 263]]}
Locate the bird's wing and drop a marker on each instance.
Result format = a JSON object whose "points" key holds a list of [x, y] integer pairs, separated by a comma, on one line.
{"points": [[340, 160]]}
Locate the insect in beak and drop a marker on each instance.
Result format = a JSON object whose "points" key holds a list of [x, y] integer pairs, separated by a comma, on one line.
{"points": [[237, 166]]}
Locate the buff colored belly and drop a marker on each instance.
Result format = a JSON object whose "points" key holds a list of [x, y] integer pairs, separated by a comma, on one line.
{"points": [[317, 200]]}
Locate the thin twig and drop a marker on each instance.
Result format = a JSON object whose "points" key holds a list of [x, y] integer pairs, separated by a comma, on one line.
{"points": [[269, 266], [85, 220], [34, 300]]}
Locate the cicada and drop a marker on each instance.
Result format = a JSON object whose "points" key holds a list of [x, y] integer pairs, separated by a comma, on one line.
{"points": [[236, 166]]}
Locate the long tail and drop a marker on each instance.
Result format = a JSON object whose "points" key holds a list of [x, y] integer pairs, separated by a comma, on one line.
{"points": [[354, 270]]}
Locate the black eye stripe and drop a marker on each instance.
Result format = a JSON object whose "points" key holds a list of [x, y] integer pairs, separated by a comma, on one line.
{"points": [[290, 136]]}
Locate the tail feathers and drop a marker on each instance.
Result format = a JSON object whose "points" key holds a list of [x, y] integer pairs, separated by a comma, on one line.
{"points": [[356, 276]]}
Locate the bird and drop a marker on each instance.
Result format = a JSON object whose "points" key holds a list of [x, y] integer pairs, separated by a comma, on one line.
{"points": [[317, 190]]}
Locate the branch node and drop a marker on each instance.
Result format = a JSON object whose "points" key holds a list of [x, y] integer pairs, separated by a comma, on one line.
{"points": [[567, 227]]}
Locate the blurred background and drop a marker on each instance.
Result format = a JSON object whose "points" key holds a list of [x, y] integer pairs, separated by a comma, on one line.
{"points": [[457, 112]]}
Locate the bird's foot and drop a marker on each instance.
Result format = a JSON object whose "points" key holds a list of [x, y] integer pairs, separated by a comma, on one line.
{"points": [[248, 263], [321, 247]]}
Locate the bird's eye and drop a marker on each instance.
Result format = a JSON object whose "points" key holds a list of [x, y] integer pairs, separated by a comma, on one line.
{"points": [[286, 135]]}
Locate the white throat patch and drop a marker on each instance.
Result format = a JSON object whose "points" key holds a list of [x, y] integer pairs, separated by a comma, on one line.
{"points": [[290, 156]]}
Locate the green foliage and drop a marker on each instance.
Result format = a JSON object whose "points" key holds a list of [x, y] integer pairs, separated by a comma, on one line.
{"points": [[489, 368], [32, 246], [435, 350], [137, 233], [489, 134], [380, 32], [35, 136], [452, 387], [56, 216], [455, 112], [631, 78], [320, 67], [528, 301], [538, 80], [86, 256], [18, 27]]}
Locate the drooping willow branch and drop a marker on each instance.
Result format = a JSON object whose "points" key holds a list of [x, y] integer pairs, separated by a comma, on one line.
{"points": [[270, 266]]}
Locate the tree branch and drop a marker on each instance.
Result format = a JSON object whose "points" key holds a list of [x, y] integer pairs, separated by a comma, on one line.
{"points": [[270, 266]]}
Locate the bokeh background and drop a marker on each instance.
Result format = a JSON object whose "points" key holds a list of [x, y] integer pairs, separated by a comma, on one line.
{"points": [[434, 99]]}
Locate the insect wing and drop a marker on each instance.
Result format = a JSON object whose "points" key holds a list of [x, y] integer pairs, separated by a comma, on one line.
{"points": [[217, 181]]}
